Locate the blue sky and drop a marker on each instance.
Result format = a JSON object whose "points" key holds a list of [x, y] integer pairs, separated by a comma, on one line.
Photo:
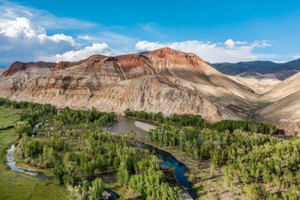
{"points": [[217, 31]]}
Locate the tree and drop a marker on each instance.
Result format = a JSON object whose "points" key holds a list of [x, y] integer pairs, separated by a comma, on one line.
{"points": [[89, 168], [256, 191], [101, 163], [70, 173], [123, 174], [23, 127], [58, 172], [97, 189]]}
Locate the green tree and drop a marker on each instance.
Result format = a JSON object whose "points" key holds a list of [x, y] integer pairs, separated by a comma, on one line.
{"points": [[123, 174], [58, 172], [23, 127], [70, 173], [97, 189], [256, 191]]}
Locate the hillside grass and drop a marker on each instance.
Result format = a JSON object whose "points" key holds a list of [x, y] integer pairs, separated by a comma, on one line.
{"points": [[14, 185]]}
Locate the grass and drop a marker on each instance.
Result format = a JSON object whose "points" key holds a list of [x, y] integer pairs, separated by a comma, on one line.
{"points": [[8, 116], [14, 185]]}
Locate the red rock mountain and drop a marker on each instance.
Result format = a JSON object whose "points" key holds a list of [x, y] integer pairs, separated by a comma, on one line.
{"points": [[28, 68], [163, 80]]}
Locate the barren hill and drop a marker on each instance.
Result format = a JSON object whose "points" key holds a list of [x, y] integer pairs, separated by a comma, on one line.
{"points": [[163, 80], [283, 104]]}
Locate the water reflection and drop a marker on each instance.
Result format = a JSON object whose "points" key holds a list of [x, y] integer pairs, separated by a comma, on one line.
{"points": [[169, 160], [124, 124]]}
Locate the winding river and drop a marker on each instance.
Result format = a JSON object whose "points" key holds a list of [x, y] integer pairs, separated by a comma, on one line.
{"points": [[12, 164], [124, 124]]}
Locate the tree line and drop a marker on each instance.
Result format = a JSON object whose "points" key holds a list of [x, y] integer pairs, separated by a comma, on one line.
{"points": [[181, 120]]}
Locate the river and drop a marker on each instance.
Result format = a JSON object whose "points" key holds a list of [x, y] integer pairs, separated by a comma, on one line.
{"points": [[12, 164], [120, 126], [124, 124]]}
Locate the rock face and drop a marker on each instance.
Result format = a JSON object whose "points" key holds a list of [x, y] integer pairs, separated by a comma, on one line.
{"points": [[30, 69], [16, 76], [164, 80]]}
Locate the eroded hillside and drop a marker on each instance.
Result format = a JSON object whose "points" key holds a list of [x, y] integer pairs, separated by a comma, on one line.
{"points": [[164, 80]]}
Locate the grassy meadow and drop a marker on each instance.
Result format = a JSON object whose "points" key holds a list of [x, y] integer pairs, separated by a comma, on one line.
{"points": [[16, 185]]}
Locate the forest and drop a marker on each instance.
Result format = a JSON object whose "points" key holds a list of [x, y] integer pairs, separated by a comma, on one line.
{"points": [[75, 147], [255, 161]]}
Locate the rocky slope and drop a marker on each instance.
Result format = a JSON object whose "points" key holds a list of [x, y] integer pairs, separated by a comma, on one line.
{"points": [[259, 86], [18, 74], [283, 104], [1, 71], [164, 80]]}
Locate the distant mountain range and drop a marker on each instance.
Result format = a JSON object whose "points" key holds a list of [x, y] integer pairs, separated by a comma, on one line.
{"points": [[260, 69]]}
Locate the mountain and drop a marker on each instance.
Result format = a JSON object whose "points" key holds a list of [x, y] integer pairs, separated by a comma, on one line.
{"points": [[260, 69], [163, 80], [1, 70], [259, 86], [283, 104], [17, 75]]}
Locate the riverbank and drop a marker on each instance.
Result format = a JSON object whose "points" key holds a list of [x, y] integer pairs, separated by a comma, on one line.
{"points": [[164, 158], [17, 186], [206, 181], [144, 126]]}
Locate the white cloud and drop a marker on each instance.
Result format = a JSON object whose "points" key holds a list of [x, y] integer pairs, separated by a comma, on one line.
{"points": [[24, 36], [19, 27], [75, 55], [61, 37], [22, 27], [84, 37], [230, 51], [297, 56], [229, 43], [20, 39], [45, 19]]}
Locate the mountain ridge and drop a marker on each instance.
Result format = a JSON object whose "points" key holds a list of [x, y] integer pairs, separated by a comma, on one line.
{"points": [[163, 80], [260, 69]]}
